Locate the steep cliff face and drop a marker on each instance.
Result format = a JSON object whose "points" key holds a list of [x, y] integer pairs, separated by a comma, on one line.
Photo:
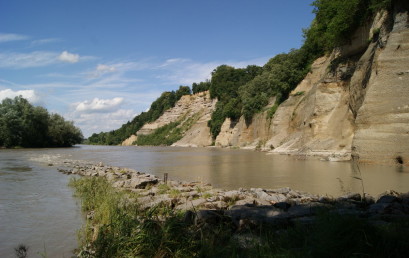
{"points": [[314, 120], [382, 122], [197, 108], [355, 100], [353, 103]]}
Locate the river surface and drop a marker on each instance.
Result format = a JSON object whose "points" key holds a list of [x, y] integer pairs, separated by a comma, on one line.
{"points": [[37, 208]]}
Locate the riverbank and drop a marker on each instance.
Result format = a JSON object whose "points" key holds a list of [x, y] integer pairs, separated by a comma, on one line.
{"points": [[241, 214]]}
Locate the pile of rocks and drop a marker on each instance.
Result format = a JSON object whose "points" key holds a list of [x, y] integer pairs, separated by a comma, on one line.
{"points": [[243, 206]]}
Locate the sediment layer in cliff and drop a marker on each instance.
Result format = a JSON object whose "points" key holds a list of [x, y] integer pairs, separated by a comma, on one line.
{"points": [[353, 103], [197, 108]]}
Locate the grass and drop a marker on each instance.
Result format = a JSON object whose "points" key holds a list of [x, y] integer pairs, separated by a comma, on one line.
{"points": [[169, 133], [120, 228]]}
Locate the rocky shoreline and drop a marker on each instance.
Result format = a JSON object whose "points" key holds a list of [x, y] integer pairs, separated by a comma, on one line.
{"points": [[244, 207]]}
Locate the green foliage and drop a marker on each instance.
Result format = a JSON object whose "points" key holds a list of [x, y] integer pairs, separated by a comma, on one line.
{"points": [[224, 86], [169, 133], [281, 75], [245, 91], [121, 228], [299, 93], [165, 135], [166, 101], [217, 119], [200, 87], [272, 111], [337, 20], [22, 124]]}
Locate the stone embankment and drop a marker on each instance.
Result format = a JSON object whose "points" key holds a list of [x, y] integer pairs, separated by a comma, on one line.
{"points": [[244, 206]]}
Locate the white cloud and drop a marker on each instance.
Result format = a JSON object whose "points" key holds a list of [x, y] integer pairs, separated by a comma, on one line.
{"points": [[101, 70], [6, 37], [30, 95], [25, 60], [185, 71], [40, 42], [65, 56], [99, 105], [94, 123], [105, 68], [37, 59]]}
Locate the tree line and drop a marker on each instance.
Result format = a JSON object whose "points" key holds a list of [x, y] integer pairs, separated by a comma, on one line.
{"points": [[25, 125], [246, 91], [166, 100]]}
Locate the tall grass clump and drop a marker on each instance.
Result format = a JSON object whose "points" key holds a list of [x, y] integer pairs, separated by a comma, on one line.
{"points": [[120, 227]]}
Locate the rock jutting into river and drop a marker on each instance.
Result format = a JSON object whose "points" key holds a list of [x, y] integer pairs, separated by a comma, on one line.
{"points": [[243, 207]]}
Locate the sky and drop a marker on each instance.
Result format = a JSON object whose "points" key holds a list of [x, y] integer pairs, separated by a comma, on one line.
{"points": [[100, 63]]}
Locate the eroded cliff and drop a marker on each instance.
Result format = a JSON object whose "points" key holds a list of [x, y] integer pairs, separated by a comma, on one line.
{"points": [[353, 103]]}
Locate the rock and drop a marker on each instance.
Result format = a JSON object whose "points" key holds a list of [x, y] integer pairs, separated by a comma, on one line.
{"points": [[260, 214], [273, 198], [247, 200], [111, 176], [282, 205], [325, 199], [194, 204], [284, 190], [189, 217], [350, 196], [215, 205], [141, 182], [306, 209], [232, 196], [209, 216], [387, 199], [118, 184], [368, 199], [379, 208]]}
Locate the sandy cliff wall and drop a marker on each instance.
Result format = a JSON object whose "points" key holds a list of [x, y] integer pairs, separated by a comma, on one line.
{"points": [[200, 106], [354, 102], [382, 122]]}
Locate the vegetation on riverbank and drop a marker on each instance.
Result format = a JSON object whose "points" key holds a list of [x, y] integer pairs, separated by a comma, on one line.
{"points": [[117, 226], [167, 100], [25, 125], [168, 134], [246, 91]]}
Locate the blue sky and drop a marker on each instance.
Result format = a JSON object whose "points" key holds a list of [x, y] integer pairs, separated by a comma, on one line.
{"points": [[100, 63]]}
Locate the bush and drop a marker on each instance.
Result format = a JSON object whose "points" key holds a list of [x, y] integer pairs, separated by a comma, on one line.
{"points": [[22, 124]]}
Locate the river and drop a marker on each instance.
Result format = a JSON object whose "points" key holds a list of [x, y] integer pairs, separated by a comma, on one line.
{"points": [[37, 208]]}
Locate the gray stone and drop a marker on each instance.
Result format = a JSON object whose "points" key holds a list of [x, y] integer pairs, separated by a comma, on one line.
{"points": [[284, 190], [142, 182], [261, 214], [350, 196], [325, 199], [387, 199], [215, 205], [118, 184], [379, 208], [209, 216], [194, 204]]}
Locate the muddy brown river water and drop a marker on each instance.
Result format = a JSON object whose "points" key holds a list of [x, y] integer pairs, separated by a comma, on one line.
{"points": [[37, 208]]}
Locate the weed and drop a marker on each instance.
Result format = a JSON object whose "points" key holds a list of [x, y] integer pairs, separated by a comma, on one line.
{"points": [[120, 228], [206, 195], [174, 193], [21, 251], [163, 188]]}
